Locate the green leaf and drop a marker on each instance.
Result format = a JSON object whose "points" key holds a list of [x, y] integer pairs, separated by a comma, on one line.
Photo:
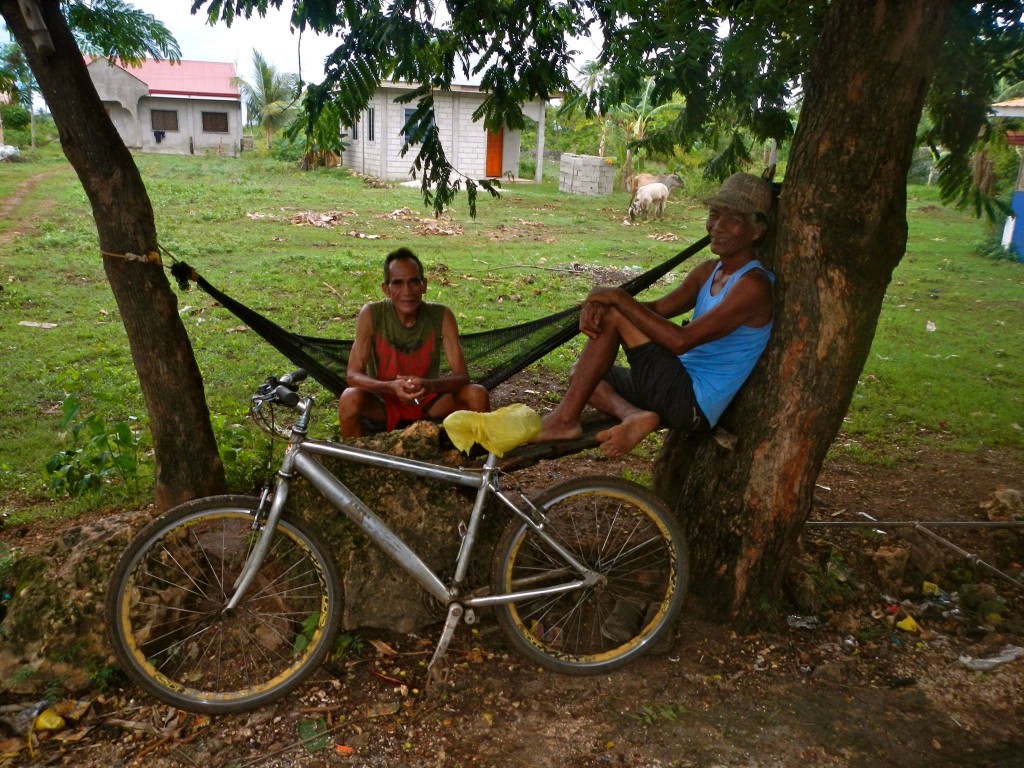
{"points": [[69, 410], [314, 735]]}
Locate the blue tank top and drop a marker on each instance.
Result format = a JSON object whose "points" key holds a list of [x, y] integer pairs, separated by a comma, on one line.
{"points": [[719, 368]]}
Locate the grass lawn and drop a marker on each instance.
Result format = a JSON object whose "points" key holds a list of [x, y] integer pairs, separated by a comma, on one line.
{"points": [[945, 366]]}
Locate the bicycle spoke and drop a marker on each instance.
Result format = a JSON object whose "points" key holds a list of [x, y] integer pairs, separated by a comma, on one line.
{"points": [[618, 533], [173, 609]]}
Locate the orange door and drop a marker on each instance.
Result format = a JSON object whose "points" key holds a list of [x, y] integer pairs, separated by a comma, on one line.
{"points": [[495, 142]]}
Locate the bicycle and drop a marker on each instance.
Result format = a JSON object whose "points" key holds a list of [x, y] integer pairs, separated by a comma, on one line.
{"points": [[226, 603]]}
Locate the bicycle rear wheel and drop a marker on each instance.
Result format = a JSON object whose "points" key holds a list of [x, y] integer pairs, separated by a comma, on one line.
{"points": [[166, 607], [626, 535]]}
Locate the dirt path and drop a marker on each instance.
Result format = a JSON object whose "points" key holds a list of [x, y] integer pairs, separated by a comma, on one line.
{"points": [[9, 207]]}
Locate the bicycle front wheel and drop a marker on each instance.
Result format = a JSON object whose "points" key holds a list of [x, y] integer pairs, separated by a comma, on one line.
{"points": [[620, 531], [169, 590]]}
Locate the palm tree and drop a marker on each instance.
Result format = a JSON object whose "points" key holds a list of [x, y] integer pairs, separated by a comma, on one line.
{"points": [[17, 81], [634, 120], [269, 97]]}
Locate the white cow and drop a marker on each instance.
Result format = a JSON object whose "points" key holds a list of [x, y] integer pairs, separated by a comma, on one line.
{"points": [[650, 199], [671, 180]]}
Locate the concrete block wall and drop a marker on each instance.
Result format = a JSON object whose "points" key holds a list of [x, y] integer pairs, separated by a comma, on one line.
{"points": [[472, 138], [585, 175]]}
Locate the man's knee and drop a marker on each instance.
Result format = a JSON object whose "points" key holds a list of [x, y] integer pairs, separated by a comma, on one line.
{"points": [[351, 402], [474, 397]]}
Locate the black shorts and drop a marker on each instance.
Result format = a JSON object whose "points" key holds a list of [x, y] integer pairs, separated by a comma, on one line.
{"points": [[657, 381]]}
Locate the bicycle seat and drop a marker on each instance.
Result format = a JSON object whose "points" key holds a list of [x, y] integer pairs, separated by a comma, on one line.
{"points": [[498, 431]]}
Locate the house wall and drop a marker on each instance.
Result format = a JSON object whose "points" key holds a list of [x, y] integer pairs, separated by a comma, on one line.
{"points": [[464, 140], [130, 106], [125, 123], [190, 138]]}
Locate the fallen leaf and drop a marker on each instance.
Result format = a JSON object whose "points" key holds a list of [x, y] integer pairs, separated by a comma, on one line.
{"points": [[383, 648], [11, 748], [383, 709]]}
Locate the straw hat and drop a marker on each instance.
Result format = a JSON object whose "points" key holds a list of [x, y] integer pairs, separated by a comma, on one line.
{"points": [[745, 193]]}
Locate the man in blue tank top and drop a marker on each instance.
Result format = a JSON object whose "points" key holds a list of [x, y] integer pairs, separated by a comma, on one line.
{"points": [[684, 376]]}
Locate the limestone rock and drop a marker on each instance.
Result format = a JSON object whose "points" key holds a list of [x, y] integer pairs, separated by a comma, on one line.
{"points": [[891, 564]]}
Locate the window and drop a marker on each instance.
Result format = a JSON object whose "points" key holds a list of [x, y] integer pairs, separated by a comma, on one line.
{"points": [[408, 114], [371, 114], [215, 122], [355, 130], [164, 119]]}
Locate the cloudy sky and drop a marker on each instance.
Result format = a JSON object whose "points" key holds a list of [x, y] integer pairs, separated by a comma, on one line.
{"points": [[271, 36]]}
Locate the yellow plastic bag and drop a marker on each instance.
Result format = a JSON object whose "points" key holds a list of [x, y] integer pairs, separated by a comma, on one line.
{"points": [[48, 720], [498, 431], [908, 625]]}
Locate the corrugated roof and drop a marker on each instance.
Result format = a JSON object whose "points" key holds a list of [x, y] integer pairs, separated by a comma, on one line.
{"points": [[187, 78], [1010, 103]]}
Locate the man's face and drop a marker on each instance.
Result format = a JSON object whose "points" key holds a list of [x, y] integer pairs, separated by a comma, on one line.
{"points": [[404, 287], [731, 232]]}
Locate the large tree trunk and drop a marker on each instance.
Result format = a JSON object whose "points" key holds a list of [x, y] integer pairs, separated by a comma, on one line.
{"points": [[187, 462], [841, 232]]}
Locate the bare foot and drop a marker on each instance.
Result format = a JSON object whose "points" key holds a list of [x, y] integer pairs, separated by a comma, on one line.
{"points": [[624, 437], [553, 428]]}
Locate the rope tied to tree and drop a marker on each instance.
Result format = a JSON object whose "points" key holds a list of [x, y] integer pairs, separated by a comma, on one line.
{"points": [[153, 257]]}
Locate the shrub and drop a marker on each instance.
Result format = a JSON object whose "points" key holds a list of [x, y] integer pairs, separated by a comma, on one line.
{"points": [[14, 117]]}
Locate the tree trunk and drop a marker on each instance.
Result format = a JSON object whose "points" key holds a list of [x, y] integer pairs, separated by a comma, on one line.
{"points": [[187, 462], [841, 231]]}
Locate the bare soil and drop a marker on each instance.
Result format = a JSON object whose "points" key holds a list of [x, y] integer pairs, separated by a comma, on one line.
{"points": [[852, 690]]}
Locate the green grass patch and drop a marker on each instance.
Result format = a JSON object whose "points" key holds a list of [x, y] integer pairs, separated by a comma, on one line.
{"points": [[944, 369]]}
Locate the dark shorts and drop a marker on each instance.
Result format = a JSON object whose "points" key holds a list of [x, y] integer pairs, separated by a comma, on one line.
{"points": [[656, 381]]}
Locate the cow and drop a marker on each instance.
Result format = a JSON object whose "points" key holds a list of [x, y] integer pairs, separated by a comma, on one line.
{"points": [[671, 180], [649, 199]]}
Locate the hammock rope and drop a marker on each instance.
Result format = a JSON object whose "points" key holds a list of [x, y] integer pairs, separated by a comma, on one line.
{"points": [[492, 356]]}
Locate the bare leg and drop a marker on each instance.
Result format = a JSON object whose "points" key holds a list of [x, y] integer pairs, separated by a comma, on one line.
{"points": [[636, 423], [354, 405], [622, 438], [563, 423], [471, 397]]}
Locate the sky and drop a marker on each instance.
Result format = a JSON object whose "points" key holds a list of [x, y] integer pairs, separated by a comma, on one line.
{"points": [[271, 36]]}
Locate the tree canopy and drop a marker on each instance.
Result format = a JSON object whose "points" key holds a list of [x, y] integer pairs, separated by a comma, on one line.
{"points": [[738, 66], [117, 30]]}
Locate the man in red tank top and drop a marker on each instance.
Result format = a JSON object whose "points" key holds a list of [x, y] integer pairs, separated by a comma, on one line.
{"points": [[394, 366]]}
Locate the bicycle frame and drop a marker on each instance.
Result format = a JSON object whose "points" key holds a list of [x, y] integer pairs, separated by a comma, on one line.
{"points": [[300, 460]]}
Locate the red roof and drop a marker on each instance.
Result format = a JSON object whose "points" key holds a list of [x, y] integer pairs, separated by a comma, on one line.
{"points": [[187, 78]]}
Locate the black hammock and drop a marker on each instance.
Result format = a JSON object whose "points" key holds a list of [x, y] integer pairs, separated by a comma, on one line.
{"points": [[491, 356]]}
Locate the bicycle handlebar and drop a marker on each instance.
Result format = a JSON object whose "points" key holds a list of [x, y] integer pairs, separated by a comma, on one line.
{"points": [[283, 390]]}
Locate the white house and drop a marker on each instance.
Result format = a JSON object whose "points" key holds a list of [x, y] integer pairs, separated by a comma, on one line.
{"points": [[375, 142], [188, 107]]}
